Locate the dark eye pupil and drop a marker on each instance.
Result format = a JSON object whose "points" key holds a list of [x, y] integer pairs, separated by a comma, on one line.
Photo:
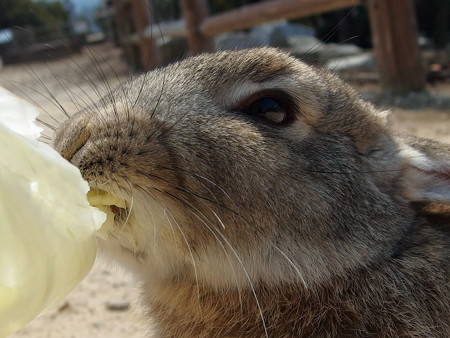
{"points": [[268, 109], [265, 105]]}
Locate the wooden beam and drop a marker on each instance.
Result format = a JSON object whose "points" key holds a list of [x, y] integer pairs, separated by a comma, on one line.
{"points": [[394, 34], [252, 15], [194, 13]]}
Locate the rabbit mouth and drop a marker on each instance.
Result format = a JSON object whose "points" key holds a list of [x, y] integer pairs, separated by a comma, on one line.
{"points": [[115, 208], [103, 199]]}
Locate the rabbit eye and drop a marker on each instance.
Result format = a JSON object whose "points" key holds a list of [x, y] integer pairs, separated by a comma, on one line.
{"points": [[268, 109]]}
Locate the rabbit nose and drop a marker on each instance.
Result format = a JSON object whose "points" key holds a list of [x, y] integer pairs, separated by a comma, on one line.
{"points": [[72, 136]]}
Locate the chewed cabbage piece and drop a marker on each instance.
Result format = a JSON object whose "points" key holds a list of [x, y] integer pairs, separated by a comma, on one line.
{"points": [[106, 202], [47, 227], [102, 198]]}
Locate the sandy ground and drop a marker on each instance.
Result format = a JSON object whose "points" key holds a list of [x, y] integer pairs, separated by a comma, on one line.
{"points": [[105, 304]]}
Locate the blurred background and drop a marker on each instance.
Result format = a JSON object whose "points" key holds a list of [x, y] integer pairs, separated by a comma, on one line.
{"points": [[66, 54], [388, 48], [339, 35]]}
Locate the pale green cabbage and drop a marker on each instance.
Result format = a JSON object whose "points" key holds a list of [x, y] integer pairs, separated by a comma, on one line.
{"points": [[47, 227]]}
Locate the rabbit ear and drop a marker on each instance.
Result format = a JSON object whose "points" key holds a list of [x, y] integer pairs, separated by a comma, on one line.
{"points": [[427, 174]]}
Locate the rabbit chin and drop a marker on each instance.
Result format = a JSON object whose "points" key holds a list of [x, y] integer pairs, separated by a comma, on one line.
{"points": [[153, 246]]}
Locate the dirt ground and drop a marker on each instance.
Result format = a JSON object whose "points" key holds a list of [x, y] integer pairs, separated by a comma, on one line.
{"points": [[105, 304]]}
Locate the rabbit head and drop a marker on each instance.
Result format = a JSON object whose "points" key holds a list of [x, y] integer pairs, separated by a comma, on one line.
{"points": [[250, 166]]}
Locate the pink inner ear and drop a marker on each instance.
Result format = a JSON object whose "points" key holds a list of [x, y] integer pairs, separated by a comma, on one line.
{"points": [[439, 174], [427, 174], [430, 185]]}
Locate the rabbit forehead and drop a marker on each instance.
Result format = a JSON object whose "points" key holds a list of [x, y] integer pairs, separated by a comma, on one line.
{"points": [[226, 79], [221, 70], [259, 64]]}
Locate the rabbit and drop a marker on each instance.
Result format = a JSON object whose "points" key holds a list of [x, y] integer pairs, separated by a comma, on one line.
{"points": [[265, 198]]}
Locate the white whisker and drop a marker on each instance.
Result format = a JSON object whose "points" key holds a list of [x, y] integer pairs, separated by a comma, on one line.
{"points": [[300, 275], [194, 265], [242, 266], [129, 212]]}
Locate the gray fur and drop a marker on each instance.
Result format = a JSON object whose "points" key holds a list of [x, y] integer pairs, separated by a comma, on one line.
{"points": [[242, 229]]}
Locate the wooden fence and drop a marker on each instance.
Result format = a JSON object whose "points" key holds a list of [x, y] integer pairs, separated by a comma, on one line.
{"points": [[394, 31]]}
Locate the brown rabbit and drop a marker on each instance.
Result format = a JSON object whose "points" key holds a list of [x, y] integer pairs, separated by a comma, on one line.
{"points": [[266, 199]]}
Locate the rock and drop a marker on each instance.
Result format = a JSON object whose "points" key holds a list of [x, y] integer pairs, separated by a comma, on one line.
{"points": [[306, 48], [277, 33], [63, 307], [340, 49], [117, 305], [237, 41], [173, 48], [363, 61], [97, 325], [412, 100]]}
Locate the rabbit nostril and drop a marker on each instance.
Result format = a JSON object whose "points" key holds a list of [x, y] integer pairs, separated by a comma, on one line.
{"points": [[76, 145], [71, 138]]}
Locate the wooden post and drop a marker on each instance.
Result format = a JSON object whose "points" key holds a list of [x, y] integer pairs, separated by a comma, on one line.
{"points": [[394, 34], [148, 51], [121, 17], [194, 13]]}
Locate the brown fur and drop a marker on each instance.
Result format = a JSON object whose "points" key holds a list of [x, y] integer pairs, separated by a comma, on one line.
{"points": [[319, 227]]}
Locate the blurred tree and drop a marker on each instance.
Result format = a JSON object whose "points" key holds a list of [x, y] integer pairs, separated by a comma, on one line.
{"points": [[31, 13]]}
